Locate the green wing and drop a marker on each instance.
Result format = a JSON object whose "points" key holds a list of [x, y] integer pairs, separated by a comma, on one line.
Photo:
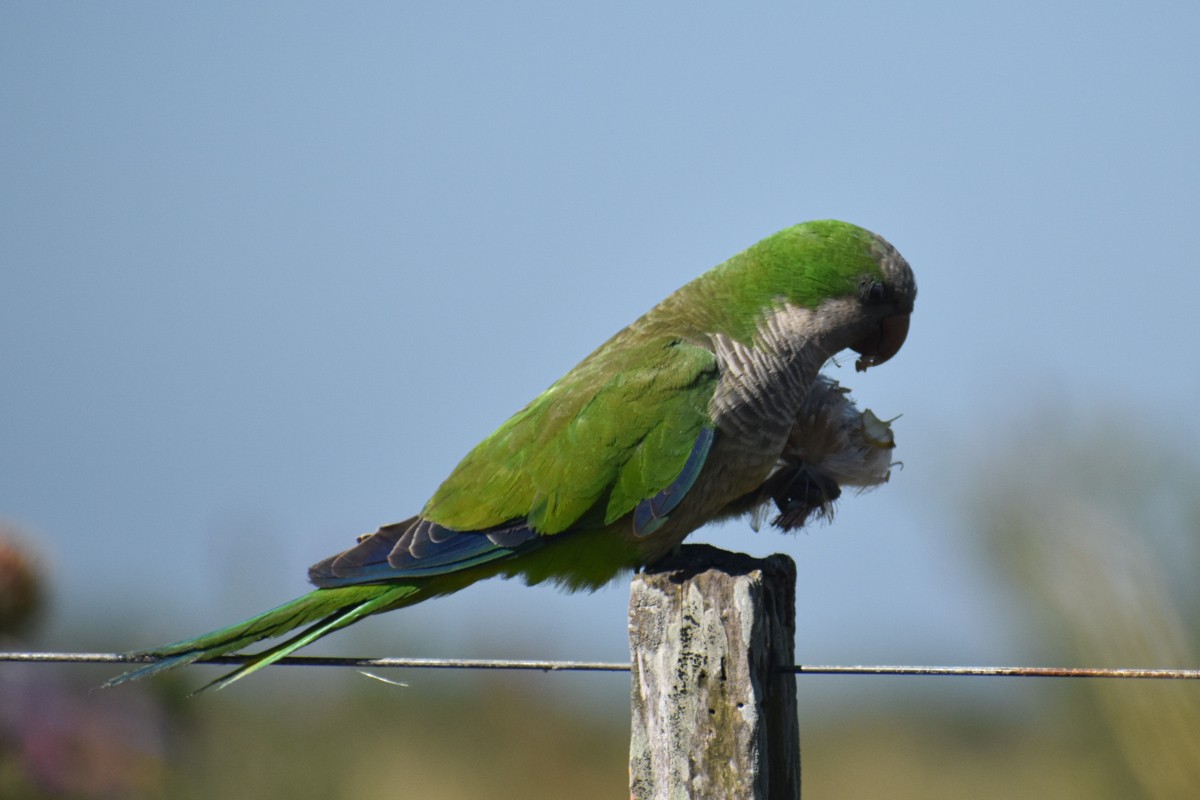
{"points": [[617, 430]]}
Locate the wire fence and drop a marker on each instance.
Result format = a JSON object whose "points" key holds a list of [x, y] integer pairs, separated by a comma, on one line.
{"points": [[616, 666]]}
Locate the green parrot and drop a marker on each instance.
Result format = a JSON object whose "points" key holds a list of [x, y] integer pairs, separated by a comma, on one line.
{"points": [[709, 406]]}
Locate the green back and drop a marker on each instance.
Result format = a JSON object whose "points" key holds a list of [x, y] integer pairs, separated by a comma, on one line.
{"points": [[593, 445]]}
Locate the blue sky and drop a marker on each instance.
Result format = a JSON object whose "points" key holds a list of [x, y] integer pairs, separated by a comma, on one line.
{"points": [[266, 273]]}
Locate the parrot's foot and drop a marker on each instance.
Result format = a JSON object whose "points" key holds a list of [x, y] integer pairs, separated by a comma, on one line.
{"points": [[802, 495]]}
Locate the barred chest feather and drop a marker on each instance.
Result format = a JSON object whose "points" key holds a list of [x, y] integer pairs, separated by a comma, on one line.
{"points": [[763, 384]]}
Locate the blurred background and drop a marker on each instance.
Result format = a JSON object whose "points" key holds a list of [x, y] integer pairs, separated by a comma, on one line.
{"points": [[267, 272]]}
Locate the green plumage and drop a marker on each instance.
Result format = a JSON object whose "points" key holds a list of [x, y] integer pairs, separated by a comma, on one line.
{"points": [[636, 427], [638, 402], [678, 419], [325, 610]]}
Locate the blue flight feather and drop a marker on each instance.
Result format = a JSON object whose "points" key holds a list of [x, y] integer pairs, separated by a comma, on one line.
{"points": [[650, 514]]}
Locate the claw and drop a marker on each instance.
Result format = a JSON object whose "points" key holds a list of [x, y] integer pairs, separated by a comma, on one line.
{"points": [[803, 495]]}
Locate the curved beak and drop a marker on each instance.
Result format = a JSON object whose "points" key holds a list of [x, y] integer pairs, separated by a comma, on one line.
{"points": [[882, 343]]}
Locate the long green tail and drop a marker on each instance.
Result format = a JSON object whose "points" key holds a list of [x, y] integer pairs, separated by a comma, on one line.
{"points": [[323, 610]]}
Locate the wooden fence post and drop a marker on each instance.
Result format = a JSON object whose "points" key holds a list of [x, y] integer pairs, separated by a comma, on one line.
{"points": [[712, 717]]}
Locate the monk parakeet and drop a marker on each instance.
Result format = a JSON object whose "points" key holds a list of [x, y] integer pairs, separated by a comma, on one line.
{"points": [[708, 406]]}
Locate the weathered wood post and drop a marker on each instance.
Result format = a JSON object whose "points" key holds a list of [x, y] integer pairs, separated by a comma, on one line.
{"points": [[712, 717]]}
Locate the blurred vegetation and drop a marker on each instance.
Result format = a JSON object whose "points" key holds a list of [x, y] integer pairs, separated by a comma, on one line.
{"points": [[1096, 531], [493, 738], [1099, 529], [1094, 527]]}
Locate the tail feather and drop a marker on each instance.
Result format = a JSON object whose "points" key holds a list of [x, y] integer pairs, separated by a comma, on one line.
{"points": [[328, 625], [325, 610]]}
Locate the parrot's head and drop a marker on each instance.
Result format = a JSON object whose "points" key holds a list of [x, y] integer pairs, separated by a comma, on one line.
{"points": [[886, 303], [859, 287]]}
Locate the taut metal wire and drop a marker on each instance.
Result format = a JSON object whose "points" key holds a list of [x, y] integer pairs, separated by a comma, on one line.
{"points": [[613, 666], [323, 661]]}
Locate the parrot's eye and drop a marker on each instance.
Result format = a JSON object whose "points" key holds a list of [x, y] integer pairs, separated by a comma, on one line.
{"points": [[875, 292]]}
